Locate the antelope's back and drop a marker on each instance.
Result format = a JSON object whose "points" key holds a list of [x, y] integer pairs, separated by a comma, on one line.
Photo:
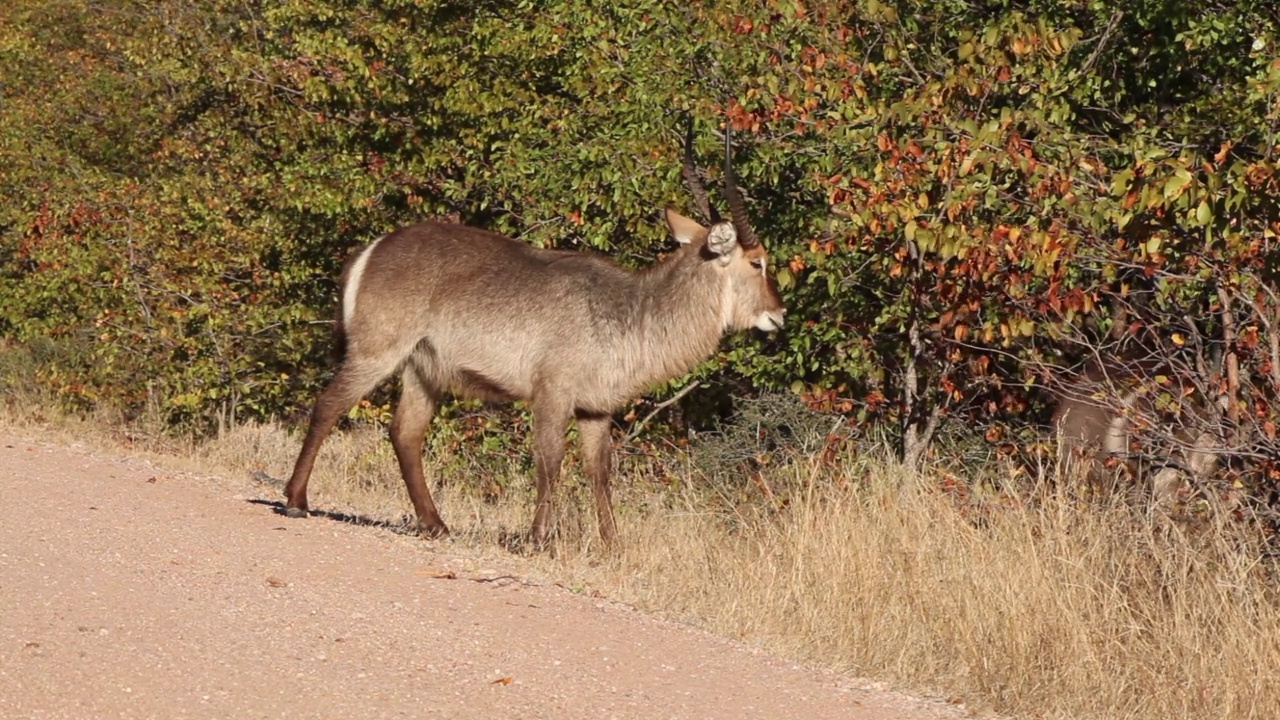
{"points": [[1081, 422], [479, 303], [440, 266]]}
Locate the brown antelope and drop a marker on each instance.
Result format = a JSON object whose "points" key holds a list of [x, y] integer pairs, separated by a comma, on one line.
{"points": [[1101, 415], [470, 313]]}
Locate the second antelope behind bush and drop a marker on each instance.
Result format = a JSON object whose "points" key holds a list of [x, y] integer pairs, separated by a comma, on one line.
{"points": [[466, 312]]}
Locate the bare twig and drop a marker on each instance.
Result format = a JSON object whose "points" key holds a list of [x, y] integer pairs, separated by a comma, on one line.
{"points": [[1232, 364], [639, 427], [1102, 41]]}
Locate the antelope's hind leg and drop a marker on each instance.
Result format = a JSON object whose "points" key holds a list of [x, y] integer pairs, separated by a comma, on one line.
{"points": [[353, 381], [418, 403]]}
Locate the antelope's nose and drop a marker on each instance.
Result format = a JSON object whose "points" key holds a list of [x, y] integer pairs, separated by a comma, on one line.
{"points": [[771, 320]]}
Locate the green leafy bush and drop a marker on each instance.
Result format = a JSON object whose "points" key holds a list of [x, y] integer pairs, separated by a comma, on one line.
{"points": [[955, 193]]}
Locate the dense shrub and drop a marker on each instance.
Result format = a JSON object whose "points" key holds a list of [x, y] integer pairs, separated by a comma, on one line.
{"points": [[957, 194]]}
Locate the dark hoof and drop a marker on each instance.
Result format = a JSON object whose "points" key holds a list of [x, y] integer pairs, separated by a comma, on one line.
{"points": [[539, 542], [295, 512], [434, 532]]}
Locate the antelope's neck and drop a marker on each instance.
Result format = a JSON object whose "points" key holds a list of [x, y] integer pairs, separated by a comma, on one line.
{"points": [[683, 321]]}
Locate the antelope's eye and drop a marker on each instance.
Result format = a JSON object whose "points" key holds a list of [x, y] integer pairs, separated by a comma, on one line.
{"points": [[757, 264]]}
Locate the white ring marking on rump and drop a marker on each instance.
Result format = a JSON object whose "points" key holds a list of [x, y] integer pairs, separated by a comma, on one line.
{"points": [[352, 289]]}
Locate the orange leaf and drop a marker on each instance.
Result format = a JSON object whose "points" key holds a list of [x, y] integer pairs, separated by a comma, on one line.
{"points": [[1221, 156]]}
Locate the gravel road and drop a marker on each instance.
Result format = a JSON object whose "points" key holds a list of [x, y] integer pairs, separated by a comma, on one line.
{"points": [[129, 590]]}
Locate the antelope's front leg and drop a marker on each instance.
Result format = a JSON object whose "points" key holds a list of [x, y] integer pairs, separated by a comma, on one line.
{"points": [[597, 451], [549, 426]]}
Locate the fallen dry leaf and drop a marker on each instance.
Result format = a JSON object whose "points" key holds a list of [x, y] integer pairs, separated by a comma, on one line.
{"points": [[502, 681], [275, 581], [446, 575]]}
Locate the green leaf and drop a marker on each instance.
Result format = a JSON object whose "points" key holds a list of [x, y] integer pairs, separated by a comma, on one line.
{"points": [[1120, 182], [1176, 183], [1204, 213]]}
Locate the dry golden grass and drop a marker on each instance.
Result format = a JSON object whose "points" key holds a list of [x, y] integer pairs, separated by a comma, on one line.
{"points": [[1048, 609], [1057, 609]]}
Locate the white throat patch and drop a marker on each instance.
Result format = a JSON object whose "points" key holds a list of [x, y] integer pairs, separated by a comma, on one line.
{"points": [[726, 303], [1116, 441]]}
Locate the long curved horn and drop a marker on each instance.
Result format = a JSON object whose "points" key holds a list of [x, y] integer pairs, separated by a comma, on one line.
{"points": [[709, 213], [737, 211]]}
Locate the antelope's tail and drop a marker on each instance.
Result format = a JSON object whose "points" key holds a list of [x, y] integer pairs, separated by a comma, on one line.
{"points": [[338, 351]]}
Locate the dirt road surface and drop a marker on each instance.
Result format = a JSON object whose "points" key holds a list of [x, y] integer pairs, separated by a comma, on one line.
{"points": [[128, 590]]}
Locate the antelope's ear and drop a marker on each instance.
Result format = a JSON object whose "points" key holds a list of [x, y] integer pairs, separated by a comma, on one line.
{"points": [[683, 229], [721, 240]]}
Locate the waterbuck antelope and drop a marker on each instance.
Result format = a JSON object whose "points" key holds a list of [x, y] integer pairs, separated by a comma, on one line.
{"points": [[470, 313], [1114, 420]]}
